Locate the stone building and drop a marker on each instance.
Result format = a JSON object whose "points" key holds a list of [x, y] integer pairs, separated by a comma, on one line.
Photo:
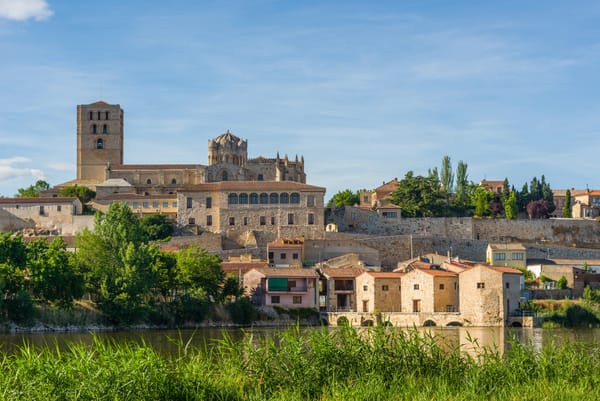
{"points": [[379, 291], [430, 290], [513, 255], [43, 213], [338, 289], [489, 294], [286, 252]]}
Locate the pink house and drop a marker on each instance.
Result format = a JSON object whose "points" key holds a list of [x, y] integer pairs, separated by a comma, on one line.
{"points": [[284, 287]]}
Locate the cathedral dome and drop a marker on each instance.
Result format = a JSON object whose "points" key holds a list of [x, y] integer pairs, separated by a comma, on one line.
{"points": [[228, 138]]}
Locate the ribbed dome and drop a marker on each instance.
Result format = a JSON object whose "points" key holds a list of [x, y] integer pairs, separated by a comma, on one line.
{"points": [[227, 138]]}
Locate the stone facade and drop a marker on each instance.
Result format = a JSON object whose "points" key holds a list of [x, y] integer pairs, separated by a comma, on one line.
{"points": [[430, 291], [488, 294], [44, 213], [286, 252], [338, 289], [513, 255], [289, 208], [378, 292]]}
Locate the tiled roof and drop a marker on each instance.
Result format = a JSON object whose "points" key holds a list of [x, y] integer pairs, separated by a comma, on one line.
{"points": [[503, 269], [504, 247], [389, 186], [235, 267], [253, 186], [438, 273], [117, 167], [287, 272], [386, 274], [342, 272], [10, 201]]}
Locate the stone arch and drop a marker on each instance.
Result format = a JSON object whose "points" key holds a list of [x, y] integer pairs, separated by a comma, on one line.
{"points": [[331, 228], [516, 324], [454, 324], [429, 323], [367, 323], [343, 321]]}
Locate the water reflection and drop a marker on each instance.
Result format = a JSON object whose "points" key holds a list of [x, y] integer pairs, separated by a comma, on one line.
{"points": [[470, 339]]}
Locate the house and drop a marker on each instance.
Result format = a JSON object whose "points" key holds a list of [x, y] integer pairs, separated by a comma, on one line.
{"points": [[286, 252], [284, 287], [489, 294], [338, 289], [51, 214], [577, 278], [379, 291], [495, 186], [586, 205], [237, 266], [429, 290], [509, 254]]}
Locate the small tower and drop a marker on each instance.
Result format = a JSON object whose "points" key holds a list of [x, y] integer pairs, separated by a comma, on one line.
{"points": [[99, 139]]}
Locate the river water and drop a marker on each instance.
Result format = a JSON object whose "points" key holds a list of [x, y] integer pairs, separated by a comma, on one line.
{"points": [[167, 342]]}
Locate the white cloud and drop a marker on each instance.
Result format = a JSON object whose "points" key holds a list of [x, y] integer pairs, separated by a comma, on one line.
{"points": [[9, 171], [21, 10]]}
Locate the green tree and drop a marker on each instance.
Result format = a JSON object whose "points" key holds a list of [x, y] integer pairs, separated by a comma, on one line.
{"points": [[15, 303], [52, 272], [567, 207], [344, 198], [83, 193], [419, 197], [511, 209], [561, 284], [157, 227], [481, 201], [447, 176], [200, 273], [33, 191]]}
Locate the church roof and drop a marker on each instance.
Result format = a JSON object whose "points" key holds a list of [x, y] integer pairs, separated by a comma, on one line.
{"points": [[114, 182], [117, 167], [100, 103], [227, 137]]}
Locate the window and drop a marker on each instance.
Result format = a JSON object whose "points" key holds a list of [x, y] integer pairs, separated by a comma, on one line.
{"points": [[174, 204], [416, 287], [191, 221], [245, 221], [416, 305], [145, 205], [282, 256], [297, 299], [517, 256], [99, 115], [224, 176], [260, 177], [284, 198], [480, 285], [366, 199], [232, 221], [243, 199], [188, 201], [254, 198], [295, 256], [233, 199], [262, 220], [99, 144], [105, 129], [500, 256], [272, 220], [165, 205], [136, 205], [91, 115], [94, 129], [389, 215], [58, 208], [208, 202], [310, 200], [441, 286], [507, 285], [155, 204], [290, 218], [173, 181], [264, 199], [149, 181], [295, 198], [311, 218], [385, 288], [106, 115], [274, 198], [275, 299], [41, 210], [209, 220], [365, 288]]}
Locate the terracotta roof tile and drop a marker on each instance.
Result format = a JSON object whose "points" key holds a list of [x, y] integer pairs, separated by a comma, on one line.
{"points": [[342, 272], [287, 272], [439, 273], [386, 274]]}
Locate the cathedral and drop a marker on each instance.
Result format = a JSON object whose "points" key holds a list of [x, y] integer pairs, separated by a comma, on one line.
{"points": [[100, 158]]}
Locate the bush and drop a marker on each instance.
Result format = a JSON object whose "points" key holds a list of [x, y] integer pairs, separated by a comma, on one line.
{"points": [[20, 308], [242, 311]]}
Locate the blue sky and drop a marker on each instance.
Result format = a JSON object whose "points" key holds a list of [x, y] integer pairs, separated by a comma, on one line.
{"points": [[365, 91]]}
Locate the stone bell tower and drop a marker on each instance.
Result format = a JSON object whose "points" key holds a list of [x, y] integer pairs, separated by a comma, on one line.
{"points": [[99, 139]]}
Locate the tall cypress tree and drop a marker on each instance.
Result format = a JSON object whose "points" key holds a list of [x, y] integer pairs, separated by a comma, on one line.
{"points": [[567, 207]]}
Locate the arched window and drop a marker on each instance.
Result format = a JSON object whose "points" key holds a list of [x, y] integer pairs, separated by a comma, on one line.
{"points": [[253, 198], [148, 181], [233, 199], [295, 198], [173, 181], [99, 144], [260, 177], [274, 198], [264, 199], [243, 199], [94, 129], [224, 176], [91, 115], [284, 198], [105, 129]]}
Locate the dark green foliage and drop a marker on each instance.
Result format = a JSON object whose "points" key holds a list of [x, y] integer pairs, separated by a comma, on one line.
{"points": [[242, 311], [19, 307], [419, 197], [567, 207], [561, 284], [83, 193], [344, 198], [200, 273], [157, 227], [33, 191]]}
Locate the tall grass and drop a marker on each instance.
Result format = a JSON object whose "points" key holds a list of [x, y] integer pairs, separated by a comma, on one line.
{"points": [[344, 364]]}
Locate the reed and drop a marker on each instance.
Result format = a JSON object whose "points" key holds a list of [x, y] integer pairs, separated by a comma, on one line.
{"points": [[297, 364]]}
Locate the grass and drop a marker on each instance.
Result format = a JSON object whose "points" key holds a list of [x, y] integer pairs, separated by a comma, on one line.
{"points": [[343, 364]]}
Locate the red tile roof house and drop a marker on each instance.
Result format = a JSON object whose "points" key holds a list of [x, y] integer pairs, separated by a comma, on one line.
{"points": [[284, 287]]}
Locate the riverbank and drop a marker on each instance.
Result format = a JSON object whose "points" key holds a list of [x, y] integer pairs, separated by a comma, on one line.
{"points": [[343, 364]]}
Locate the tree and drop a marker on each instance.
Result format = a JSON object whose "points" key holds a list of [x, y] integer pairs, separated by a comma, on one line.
{"points": [[446, 175], [419, 197], [538, 209], [567, 207], [15, 302], [481, 201], [200, 273], [344, 198], [561, 284], [83, 193], [157, 227], [511, 209], [33, 191]]}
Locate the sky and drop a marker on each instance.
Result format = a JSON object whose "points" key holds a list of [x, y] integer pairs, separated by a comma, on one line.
{"points": [[364, 90]]}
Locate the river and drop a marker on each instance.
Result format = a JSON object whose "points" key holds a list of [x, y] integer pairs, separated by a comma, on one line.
{"points": [[167, 342]]}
